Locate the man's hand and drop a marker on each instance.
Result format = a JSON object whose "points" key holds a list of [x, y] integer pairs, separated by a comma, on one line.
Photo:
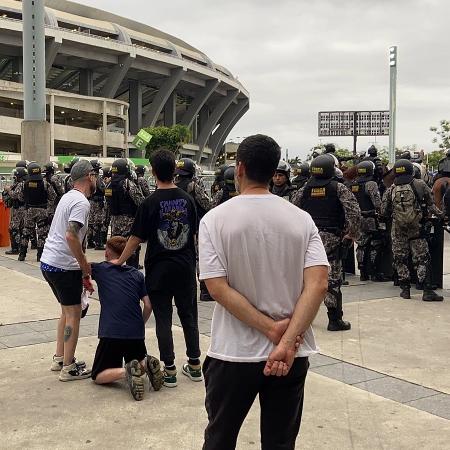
{"points": [[87, 284], [281, 359], [277, 331]]}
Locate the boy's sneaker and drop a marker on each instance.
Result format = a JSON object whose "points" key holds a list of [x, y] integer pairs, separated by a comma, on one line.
{"points": [[154, 373], [74, 372], [57, 363], [194, 373], [170, 378], [134, 373]]}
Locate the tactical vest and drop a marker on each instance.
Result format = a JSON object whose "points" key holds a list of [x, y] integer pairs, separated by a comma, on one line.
{"points": [[285, 192], [227, 193], [359, 190], [444, 166], [99, 195], [35, 194], [323, 204], [187, 184], [299, 181], [119, 200]]}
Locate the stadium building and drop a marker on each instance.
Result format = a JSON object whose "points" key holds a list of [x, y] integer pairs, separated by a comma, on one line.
{"points": [[107, 77]]}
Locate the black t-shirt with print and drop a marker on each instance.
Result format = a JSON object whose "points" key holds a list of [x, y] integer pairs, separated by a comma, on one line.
{"points": [[167, 220]]}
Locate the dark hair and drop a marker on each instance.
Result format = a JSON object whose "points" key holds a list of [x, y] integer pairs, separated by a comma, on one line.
{"points": [[116, 244], [163, 164], [260, 155]]}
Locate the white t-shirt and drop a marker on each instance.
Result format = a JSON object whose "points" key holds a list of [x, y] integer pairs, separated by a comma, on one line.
{"points": [[262, 244], [73, 207]]}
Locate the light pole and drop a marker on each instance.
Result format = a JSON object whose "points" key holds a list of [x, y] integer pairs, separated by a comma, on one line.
{"points": [[392, 101]]}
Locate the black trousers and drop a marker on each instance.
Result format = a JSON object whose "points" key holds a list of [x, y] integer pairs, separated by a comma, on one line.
{"points": [[186, 303], [231, 389]]}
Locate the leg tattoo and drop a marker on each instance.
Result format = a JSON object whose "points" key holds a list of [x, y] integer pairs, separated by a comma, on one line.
{"points": [[67, 332]]}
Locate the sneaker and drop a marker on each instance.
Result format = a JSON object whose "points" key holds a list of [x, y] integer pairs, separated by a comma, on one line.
{"points": [[194, 373], [135, 380], [57, 363], [154, 373], [74, 372], [170, 378]]}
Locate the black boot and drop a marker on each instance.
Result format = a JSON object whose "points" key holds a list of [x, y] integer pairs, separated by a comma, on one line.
{"points": [[405, 290], [22, 253], [431, 296], [33, 240], [335, 322], [99, 241], [14, 245], [363, 275], [419, 286], [39, 253]]}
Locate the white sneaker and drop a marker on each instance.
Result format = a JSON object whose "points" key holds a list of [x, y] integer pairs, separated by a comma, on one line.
{"points": [[57, 363], [74, 372]]}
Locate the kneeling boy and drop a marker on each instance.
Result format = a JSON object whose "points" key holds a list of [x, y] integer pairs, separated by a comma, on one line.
{"points": [[122, 325]]}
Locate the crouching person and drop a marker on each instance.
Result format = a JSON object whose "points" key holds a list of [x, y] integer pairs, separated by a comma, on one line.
{"points": [[122, 325]]}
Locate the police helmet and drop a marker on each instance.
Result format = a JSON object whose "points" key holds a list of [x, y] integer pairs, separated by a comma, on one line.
{"points": [[403, 171], [406, 155], [34, 171], [228, 175], [365, 169], [121, 167], [185, 167], [372, 151], [303, 170], [51, 167], [330, 148], [220, 171], [22, 163], [140, 170], [20, 173], [284, 168], [107, 172], [338, 174], [96, 165], [322, 167], [70, 164], [417, 170]]}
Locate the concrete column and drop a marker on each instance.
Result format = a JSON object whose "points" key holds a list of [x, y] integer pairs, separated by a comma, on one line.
{"points": [[199, 101], [17, 69], [202, 118], [117, 75], [170, 110], [52, 125], [87, 82], [105, 130], [126, 130], [135, 106]]}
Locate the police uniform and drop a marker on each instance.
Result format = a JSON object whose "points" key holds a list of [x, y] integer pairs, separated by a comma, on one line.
{"points": [[336, 213], [141, 181], [14, 200], [106, 179], [39, 197], [302, 177], [123, 197], [219, 181], [408, 201], [97, 211], [286, 190], [56, 182], [370, 240], [227, 191]]}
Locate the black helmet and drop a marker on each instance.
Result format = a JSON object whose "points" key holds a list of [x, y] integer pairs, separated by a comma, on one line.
{"points": [[365, 169], [403, 171], [107, 172], [417, 170], [220, 171], [121, 167], [406, 155], [303, 170], [322, 167], [284, 168], [20, 173], [185, 167], [50, 167], [372, 151], [70, 164], [228, 175], [329, 148], [34, 171], [96, 165], [22, 163], [140, 169]]}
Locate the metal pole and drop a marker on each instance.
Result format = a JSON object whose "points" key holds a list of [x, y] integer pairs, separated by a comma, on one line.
{"points": [[33, 14], [355, 132], [392, 101]]}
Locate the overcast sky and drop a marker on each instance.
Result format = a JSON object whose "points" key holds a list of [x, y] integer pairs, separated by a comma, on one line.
{"points": [[298, 57]]}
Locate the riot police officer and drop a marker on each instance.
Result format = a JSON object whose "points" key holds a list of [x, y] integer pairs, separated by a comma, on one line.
{"points": [[52, 177], [372, 153], [302, 176], [228, 190], [409, 201], [141, 181], [123, 196], [281, 181], [336, 214], [39, 197], [68, 183], [219, 181], [14, 200], [444, 166], [370, 240], [106, 178], [97, 210]]}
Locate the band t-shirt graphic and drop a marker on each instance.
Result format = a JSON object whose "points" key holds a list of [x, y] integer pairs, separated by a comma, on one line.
{"points": [[167, 220]]}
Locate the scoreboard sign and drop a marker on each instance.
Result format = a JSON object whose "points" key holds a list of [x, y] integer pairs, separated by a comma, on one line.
{"points": [[354, 123]]}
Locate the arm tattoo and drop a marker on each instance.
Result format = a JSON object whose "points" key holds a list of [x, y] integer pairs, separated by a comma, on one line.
{"points": [[74, 228], [67, 332]]}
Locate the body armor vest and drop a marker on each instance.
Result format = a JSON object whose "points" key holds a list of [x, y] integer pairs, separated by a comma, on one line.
{"points": [[35, 194], [119, 199], [359, 190]]}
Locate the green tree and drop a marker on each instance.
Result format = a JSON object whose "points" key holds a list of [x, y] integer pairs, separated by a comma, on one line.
{"points": [[172, 138], [294, 162], [442, 134], [434, 157]]}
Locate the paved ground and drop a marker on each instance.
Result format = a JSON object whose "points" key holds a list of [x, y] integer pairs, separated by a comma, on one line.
{"points": [[384, 384]]}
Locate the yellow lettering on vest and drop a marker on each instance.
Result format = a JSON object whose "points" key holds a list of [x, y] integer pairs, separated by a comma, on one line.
{"points": [[355, 188], [32, 184], [318, 192], [108, 192]]}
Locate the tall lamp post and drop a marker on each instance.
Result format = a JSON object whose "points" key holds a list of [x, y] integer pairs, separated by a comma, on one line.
{"points": [[392, 101]]}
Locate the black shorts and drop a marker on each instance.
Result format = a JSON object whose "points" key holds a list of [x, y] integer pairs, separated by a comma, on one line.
{"points": [[67, 286], [111, 352]]}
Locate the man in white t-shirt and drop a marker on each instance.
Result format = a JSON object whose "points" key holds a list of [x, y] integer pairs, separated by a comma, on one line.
{"points": [[66, 270], [268, 277]]}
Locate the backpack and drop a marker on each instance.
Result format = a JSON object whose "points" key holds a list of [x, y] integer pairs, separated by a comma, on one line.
{"points": [[406, 209]]}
